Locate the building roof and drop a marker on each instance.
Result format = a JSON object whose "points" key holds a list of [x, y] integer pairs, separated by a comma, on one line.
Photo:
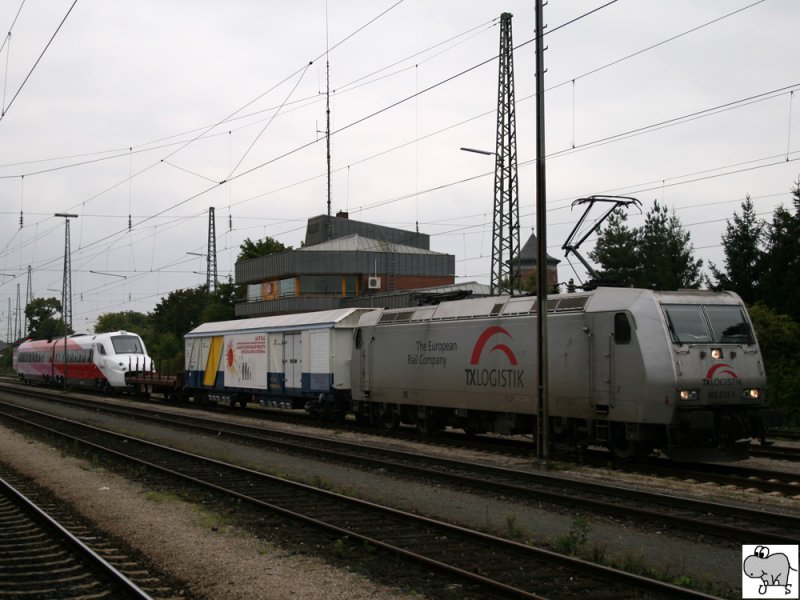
{"points": [[322, 228], [529, 252], [359, 243]]}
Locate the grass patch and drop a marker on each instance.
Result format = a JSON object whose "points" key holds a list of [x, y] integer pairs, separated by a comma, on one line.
{"points": [[576, 538]]}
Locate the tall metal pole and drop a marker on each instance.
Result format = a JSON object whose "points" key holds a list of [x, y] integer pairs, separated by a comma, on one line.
{"points": [[542, 437], [66, 289]]}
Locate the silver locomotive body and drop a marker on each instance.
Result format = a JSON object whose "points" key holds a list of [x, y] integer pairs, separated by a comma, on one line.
{"points": [[631, 369]]}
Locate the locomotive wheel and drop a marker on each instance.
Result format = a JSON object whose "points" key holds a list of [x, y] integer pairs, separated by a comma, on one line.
{"points": [[623, 448], [363, 420], [426, 426], [390, 421]]}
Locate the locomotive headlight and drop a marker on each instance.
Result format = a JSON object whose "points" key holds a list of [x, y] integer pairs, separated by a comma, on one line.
{"points": [[716, 353], [688, 394], [752, 394]]}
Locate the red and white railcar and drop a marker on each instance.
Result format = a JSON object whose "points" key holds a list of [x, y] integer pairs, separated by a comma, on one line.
{"points": [[98, 361]]}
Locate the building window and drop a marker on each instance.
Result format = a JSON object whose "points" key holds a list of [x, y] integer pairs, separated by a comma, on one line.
{"points": [[287, 287], [321, 284], [350, 285]]}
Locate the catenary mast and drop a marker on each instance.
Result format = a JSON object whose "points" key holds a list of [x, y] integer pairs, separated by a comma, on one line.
{"points": [[505, 226]]}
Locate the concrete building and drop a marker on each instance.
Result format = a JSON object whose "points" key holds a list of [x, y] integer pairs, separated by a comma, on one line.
{"points": [[342, 263]]}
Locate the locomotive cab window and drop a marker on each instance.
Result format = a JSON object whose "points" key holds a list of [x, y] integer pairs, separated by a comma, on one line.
{"points": [[622, 329], [687, 324], [729, 325]]}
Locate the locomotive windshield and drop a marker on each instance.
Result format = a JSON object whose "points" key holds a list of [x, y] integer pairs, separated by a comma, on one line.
{"points": [[729, 325], [127, 344], [695, 324]]}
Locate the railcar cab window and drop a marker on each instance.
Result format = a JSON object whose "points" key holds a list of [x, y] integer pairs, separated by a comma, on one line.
{"points": [[126, 344]]}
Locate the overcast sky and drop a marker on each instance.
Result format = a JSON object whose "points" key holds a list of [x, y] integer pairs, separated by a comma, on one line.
{"points": [[139, 109]]}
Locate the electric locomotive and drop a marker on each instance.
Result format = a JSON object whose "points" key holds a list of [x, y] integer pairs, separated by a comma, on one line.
{"points": [[632, 369]]}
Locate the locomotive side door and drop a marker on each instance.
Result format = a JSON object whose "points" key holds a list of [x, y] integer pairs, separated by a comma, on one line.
{"points": [[293, 359], [360, 374], [601, 349]]}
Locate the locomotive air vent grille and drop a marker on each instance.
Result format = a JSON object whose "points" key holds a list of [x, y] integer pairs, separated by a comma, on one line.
{"points": [[551, 305], [496, 309], [387, 317], [404, 316], [574, 303]]}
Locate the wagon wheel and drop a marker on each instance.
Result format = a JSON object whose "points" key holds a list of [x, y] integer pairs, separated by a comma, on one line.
{"points": [[390, 421]]}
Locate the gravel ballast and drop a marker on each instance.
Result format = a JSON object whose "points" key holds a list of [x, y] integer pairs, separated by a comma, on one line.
{"points": [[231, 563]]}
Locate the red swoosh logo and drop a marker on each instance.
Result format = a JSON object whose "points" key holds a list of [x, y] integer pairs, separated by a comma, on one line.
{"points": [[727, 371], [482, 341]]}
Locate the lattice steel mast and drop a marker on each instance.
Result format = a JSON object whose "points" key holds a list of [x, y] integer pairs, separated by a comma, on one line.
{"points": [[28, 298], [66, 288], [505, 227], [211, 257]]}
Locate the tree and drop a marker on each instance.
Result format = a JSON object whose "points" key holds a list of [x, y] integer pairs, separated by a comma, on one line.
{"points": [[128, 320], [180, 312], [616, 250], [666, 252], [250, 249], [42, 323], [780, 282], [742, 244], [659, 254], [221, 304], [779, 340]]}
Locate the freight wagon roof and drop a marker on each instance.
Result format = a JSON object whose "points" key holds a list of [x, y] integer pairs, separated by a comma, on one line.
{"points": [[342, 317]]}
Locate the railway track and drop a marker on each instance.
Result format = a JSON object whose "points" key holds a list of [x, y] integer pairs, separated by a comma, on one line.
{"points": [[501, 445], [645, 508], [40, 558], [488, 564], [788, 453]]}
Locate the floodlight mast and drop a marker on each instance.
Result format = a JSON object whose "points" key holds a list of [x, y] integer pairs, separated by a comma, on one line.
{"points": [[570, 247]]}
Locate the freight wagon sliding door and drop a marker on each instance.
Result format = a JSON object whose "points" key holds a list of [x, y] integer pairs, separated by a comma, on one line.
{"points": [[293, 360], [319, 372]]}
